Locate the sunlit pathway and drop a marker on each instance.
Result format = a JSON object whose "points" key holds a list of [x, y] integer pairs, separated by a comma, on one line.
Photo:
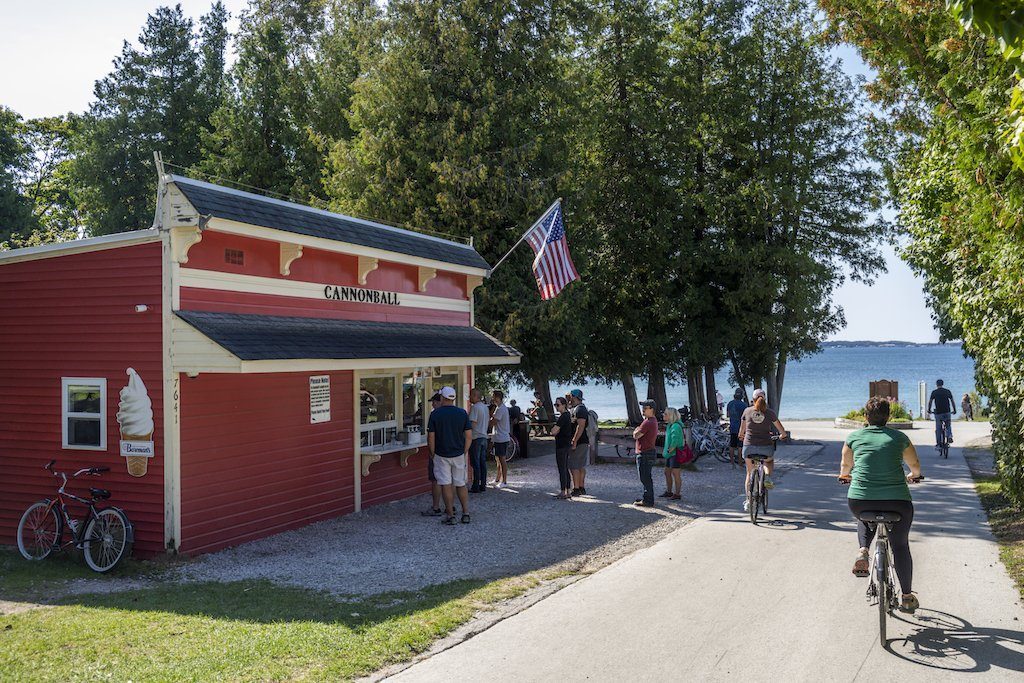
{"points": [[721, 599]]}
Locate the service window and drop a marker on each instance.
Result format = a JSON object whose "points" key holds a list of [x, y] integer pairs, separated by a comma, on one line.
{"points": [[378, 422], [84, 413], [450, 380], [413, 405]]}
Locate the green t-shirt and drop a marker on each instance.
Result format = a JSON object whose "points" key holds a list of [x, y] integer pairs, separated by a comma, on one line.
{"points": [[878, 464]]}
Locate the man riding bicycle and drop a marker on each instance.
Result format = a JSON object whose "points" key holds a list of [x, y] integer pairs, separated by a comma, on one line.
{"points": [[756, 436], [872, 464], [942, 398]]}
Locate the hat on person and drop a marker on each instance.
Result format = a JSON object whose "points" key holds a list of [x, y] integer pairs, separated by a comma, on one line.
{"points": [[436, 397], [448, 393], [576, 393], [759, 393], [649, 404]]}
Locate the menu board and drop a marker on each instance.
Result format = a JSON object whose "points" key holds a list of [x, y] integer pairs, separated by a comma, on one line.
{"points": [[319, 399]]}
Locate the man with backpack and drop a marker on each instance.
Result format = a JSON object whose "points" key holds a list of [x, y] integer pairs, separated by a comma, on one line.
{"points": [[580, 443]]}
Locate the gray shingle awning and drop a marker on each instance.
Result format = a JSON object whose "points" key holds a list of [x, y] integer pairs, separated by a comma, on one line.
{"points": [[253, 209], [266, 337]]}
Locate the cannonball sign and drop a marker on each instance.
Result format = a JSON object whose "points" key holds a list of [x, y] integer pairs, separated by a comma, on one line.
{"points": [[360, 295], [319, 399]]}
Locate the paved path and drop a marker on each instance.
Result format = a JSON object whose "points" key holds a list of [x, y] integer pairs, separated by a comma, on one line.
{"points": [[721, 599]]}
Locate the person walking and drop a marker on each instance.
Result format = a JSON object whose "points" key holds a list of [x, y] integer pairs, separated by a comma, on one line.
{"points": [[735, 412], [480, 417], [435, 488], [674, 442], [580, 443], [944, 408], [872, 465], [563, 432], [646, 435], [967, 407], [500, 437], [449, 438], [756, 434]]}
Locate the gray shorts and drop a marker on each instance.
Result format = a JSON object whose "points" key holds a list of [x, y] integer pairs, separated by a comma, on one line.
{"points": [[578, 456], [766, 452]]}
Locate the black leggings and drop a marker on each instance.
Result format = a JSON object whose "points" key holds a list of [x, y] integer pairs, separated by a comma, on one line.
{"points": [[899, 539], [562, 460]]}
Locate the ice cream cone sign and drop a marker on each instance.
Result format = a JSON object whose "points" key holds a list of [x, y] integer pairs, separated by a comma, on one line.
{"points": [[135, 417]]}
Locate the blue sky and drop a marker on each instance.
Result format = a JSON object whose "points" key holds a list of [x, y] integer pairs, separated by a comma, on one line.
{"points": [[52, 51]]}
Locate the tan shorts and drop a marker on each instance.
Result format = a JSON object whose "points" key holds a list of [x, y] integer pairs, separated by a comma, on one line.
{"points": [[450, 471]]}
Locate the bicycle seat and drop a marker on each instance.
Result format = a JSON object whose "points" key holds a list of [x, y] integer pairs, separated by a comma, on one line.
{"points": [[879, 516], [99, 494]]}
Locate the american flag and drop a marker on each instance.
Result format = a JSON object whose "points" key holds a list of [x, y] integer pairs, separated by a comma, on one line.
{"points": [[552, 265]]}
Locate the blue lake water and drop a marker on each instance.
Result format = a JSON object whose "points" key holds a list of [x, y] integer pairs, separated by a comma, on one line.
{"points": [[825, 385]]}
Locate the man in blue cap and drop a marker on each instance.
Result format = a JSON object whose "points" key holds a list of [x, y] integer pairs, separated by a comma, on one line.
{"points": [[580, 444]]}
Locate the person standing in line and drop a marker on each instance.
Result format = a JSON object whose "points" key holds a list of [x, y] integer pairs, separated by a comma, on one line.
{"points": [[756, 435], [674, 442], [735, 411], [502, 434], [967, 407], [580, 443], [945, 408], [646, 435], [563, 432], [479, 417], [435, 488], [450, 437]]}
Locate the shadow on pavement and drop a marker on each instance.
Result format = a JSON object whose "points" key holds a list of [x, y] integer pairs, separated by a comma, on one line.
{"points": [[947, 642]]}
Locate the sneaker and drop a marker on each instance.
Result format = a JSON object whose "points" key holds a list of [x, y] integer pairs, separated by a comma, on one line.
{"points": [[500, 485], [641, 504], [574, 492], [667, 494], [474, 489], [909, 604], [950, 440], [768, 483], [583, 492], [746, 505], [675, 496]]}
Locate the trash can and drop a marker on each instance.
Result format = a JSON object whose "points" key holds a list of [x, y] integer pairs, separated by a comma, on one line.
{"points": [[523, 436]]}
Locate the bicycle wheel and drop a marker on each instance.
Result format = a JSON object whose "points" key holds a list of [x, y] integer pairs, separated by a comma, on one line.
{"points": [[882, 577], [945, 450], [722, 451], [39, 531], [512, 450], [107, 540], [764, 500], [753, 498]]}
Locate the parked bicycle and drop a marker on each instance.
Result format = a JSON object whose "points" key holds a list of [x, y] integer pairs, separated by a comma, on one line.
{"points": [[105, 535], [943, 445], [710, 437], [881, 590]]}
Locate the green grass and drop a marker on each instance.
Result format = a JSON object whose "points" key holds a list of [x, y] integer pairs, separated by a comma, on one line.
{"points": [[35, 581], [1007, 522], [251, 630]]}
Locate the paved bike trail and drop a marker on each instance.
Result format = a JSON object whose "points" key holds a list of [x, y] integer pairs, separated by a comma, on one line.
{"points": [[721, 599]]}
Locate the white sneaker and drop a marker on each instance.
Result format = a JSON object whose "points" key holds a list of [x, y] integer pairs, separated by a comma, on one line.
{"points": [[746, 505], [499, 485]]}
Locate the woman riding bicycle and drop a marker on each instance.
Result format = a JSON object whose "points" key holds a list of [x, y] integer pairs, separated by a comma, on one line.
{"points": [[872, 464], [756, 436]]}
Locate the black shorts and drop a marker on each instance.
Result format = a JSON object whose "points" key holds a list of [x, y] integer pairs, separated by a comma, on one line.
{"points": [[500, 449], [734, 440]]}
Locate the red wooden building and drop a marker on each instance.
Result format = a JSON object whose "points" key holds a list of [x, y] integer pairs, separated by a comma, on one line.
{"points": [[246, 366]]}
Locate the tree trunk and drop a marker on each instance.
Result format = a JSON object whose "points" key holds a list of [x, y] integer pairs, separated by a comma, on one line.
{"points": [[656, 390], [698, 403], [780, 378], [633, 416], [542, 386], [712, 391], [691, 390]]}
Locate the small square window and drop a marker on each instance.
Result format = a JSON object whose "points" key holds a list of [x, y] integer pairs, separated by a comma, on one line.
{"points": [[235, 257], [84, 413]]}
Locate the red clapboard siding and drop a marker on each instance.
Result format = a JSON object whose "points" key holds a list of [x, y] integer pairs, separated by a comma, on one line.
{"points": [[193, 299], [252, 464], [390, 481], [262, 258], [74, 316]]}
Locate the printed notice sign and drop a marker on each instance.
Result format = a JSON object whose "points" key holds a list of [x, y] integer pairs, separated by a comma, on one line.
{"points": [[319, 399]]}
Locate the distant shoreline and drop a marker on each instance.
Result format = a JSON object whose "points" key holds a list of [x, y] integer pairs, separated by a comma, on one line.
{"points": [[885, 344]]}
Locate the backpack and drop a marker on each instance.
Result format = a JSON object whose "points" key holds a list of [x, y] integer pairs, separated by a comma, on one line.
{"points": [[592, 426]]}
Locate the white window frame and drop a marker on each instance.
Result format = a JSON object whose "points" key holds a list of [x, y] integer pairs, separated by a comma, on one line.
{"points": [[65, 385], [430, 387], [396, 397]]}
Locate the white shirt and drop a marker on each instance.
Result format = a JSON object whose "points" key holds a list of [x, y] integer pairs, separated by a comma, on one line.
{"points": [[502, 429]]}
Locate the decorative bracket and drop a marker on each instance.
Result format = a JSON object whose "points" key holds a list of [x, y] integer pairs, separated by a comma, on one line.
{"points": [[367, 264], [183, 238], [406, 454], [472, 282], [369, 459], [289, 252], [425, 276]]}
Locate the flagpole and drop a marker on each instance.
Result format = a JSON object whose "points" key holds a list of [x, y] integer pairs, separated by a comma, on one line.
{"points": [[535, 223]]}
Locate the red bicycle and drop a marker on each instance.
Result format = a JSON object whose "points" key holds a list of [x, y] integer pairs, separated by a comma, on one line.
{"points": [[105, 536]]}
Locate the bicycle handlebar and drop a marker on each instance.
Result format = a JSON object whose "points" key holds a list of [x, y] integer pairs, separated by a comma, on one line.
{"points": [[845, 481]]}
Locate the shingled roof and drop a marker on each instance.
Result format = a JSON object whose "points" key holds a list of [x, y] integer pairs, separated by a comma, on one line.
{"points": [[267, 337], [253, 209]]}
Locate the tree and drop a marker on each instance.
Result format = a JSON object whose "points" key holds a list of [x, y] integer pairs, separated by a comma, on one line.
{"points": [[159, 97], [15, 209]]}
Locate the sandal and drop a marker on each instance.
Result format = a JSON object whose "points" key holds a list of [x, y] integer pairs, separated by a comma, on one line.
{"points": [[860, 567], [675, 496], [450, 521], [465, 518], [432, 512]]}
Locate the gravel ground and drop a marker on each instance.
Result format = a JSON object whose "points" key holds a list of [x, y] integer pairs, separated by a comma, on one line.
{"points": [[514, 530]]}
